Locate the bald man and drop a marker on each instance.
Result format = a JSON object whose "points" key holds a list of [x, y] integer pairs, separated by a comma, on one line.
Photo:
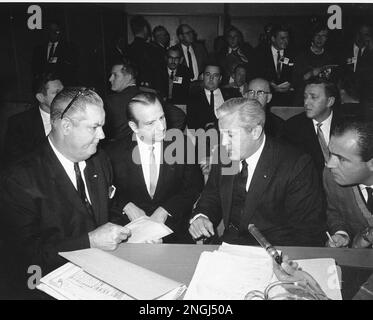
{"points": [[259, 89]]}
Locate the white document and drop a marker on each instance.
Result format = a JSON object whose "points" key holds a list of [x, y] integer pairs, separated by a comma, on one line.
{"points": [[145, 229], [234, 270], [98, 275]]}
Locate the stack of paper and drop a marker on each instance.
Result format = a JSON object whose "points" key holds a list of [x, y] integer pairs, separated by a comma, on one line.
{"points": [[97, 275], [232, 271]]}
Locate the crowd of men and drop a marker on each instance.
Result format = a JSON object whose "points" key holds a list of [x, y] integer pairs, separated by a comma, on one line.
{"points": [[78, 168]]}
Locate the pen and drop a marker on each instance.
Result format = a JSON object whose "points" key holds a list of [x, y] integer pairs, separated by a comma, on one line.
{"points": [[265, 244], [330, 238]]}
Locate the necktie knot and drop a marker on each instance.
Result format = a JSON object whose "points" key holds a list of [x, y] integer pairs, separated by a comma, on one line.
{"points": [[172, 75], [244, 171]]}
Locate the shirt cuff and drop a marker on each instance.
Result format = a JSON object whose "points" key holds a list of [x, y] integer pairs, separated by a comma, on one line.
{"points": [[343, 233], [196, 217]]}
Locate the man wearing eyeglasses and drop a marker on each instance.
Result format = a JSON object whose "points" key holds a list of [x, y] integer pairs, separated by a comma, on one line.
{"points": [[57, 199], [195, 53], [260, 90]]}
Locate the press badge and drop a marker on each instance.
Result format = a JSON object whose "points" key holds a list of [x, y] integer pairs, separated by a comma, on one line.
{"points": [[53, 59], [178, 80], [112, 190]]}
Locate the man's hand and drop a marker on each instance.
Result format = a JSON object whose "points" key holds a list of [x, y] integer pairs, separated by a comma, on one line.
{"points": [[363, 239], [108, 236], [133, 212], [289, 271], [159, 215], [201, 227], [339, 241]]}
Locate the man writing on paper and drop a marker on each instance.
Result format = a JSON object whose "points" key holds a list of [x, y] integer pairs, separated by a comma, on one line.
{"points": [[273, 185], [57, 199], [148, 183], [348, 181]]}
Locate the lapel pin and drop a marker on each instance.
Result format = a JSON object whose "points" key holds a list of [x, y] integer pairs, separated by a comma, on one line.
{"points": [[95, 176], [265, 176]]}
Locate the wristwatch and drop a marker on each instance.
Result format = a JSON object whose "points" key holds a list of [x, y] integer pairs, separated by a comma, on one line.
{"points": [[367, 236]]}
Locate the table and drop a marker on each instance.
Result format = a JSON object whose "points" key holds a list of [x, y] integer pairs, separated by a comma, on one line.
{"points": [[178, 261]]}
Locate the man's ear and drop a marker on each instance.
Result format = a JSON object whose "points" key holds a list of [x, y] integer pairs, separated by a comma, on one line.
{"points": [[331, 101], [133, 126], [256, 132], [66, 125], [40, 97], [269, 97], [370, 165]]}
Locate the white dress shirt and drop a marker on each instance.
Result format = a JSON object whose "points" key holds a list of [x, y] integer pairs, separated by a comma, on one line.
{"points": [[68, 165], [356, 51], [218, 99], [144, 150], [194, 60], [50, 47], [252, 161], [364, 191], [325, 127], [46, 117], [274, 55]]}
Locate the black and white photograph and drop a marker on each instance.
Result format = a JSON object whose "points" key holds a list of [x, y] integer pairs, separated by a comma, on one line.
{"points": [[206, 152]]}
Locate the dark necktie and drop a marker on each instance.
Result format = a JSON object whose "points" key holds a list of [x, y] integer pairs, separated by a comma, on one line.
{"points": [[243, 175], [359, 54], [322, 142], [278, 66], [212, 102], [170, 84], [51, 51], [370, 199], [81, 188], [190, 62]]}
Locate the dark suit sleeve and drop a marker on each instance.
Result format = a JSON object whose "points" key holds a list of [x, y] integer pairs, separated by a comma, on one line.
{"points": [[22, 217], [209, 203], [14, 143], [180, 205], [335, 219], [304, 203]]}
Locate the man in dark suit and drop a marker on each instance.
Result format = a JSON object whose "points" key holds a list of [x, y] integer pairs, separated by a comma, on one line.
{"points": [[28, 129], [123, 83], [195, 53], [311, 129], [260, 90], [149, 181], [203, 103], [275, 64], [57, 55], [266, 183], [57, 199], [174, 85], [141, 53], [348, 181]]}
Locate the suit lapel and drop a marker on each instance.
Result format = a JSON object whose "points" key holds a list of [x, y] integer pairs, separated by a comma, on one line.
{"points": [[92, 178], [262, 176], [226, 190]]}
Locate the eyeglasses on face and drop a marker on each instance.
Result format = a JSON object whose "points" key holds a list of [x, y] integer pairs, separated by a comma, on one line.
{"points": [[214, 75], [81, 92], [259, 93]]}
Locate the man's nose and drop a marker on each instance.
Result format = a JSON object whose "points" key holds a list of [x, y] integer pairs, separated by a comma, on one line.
{"points": [[100, 133], [332, 162]]}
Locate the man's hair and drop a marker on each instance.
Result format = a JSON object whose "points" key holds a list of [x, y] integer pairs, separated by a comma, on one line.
{"points": [[127, 67], [364, 129], [40, 82], [63, 98], [179, 29], [233, 28], [348, 83], [138, 23], [318, 27], [144, 99], [212, 63], [176, 49], [331, 89], [157, 29], [249, 112], [278, 28], [263, 80]]}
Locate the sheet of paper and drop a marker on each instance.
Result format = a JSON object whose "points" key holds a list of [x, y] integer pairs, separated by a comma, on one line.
{"points": [[135, 281], [145, 229], [71, 282], [224, 276]]}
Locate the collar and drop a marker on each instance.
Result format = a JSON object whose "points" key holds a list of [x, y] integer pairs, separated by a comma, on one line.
{"points": [[144, 147], [254, 158], [216, 91], [43, 113], [169, 71], [66, 163], [326, 122], [50, 43], [185, 48], [274, 51]]}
